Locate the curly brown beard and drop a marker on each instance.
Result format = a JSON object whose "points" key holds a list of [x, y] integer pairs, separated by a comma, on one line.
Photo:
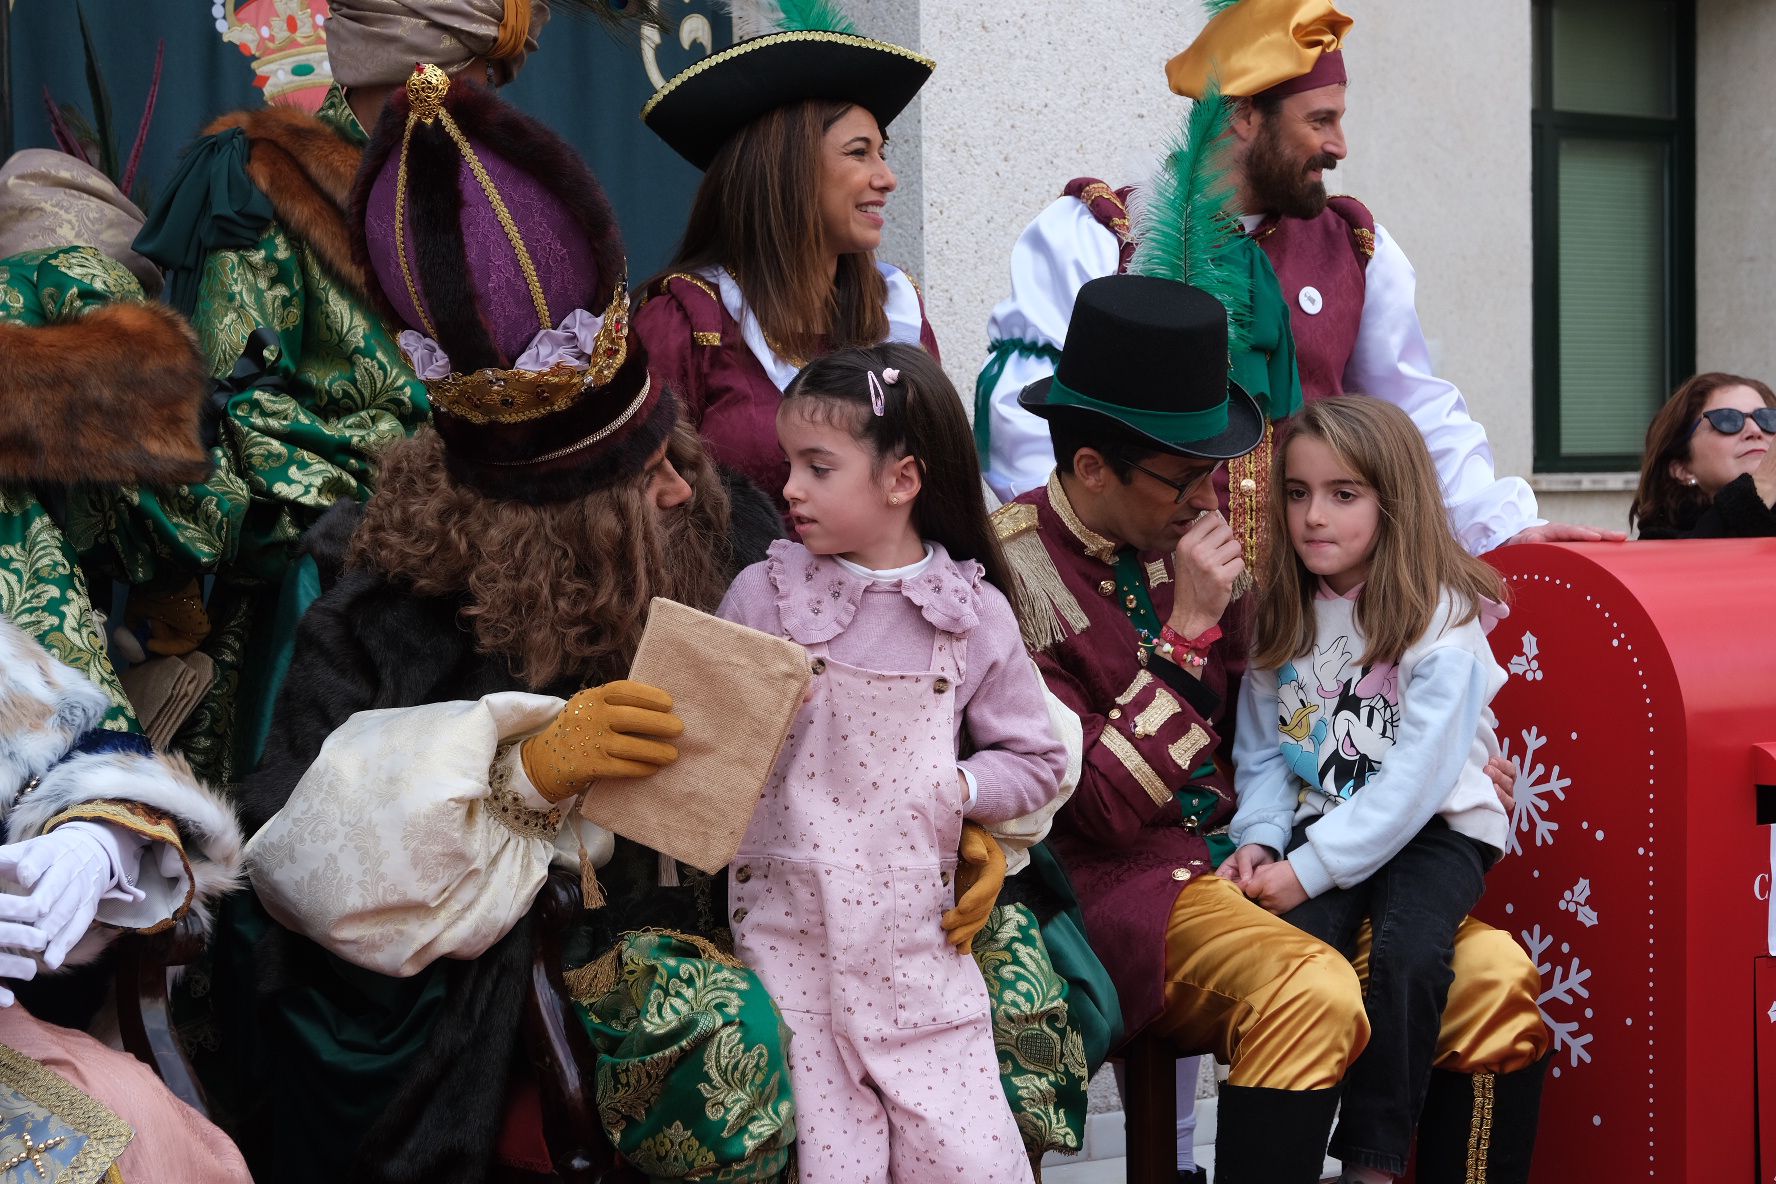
{"points": [[1279, 181], [559, 590]]}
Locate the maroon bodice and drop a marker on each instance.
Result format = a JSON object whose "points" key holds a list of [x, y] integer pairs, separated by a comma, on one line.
{"points": [[696, 349]]}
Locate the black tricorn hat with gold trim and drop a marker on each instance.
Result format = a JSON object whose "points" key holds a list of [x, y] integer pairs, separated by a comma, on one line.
{"points": [[814, 54], [494, 245]]}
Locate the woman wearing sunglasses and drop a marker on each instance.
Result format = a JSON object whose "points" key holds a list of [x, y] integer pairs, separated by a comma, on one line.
{"points": [[1710, 471]]}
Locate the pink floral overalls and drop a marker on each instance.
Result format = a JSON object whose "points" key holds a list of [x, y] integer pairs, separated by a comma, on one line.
{"points": [[837, 894]]}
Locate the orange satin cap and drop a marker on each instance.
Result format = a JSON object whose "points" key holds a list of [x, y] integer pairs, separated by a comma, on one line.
{"points": [[1258, 44]]}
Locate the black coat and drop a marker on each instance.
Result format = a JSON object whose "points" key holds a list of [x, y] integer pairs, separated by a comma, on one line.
{"points": [[1737, 512], [366, 644]]}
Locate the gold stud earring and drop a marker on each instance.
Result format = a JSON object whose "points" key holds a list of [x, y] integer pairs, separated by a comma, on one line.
{"points": [[894, 499]]}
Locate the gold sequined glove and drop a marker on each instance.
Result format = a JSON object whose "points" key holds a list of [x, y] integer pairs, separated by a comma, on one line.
{"points": [[602, 732], [979, 876]]}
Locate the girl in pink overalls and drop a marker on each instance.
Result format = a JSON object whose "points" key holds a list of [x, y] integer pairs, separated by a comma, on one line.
{"points": [[839, 887]]}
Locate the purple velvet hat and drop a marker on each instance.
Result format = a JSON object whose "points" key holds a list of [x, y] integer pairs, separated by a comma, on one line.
{"points": [[495, 248]]}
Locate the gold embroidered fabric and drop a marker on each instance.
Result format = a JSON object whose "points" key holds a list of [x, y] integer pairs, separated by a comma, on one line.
{"points": [[1157, 573], [1153, 718], [1047, 609], [156, 828], [506, 807], [1143, 680], [50, 199], [69, 1110], [1184, 749], [1137, 765]]}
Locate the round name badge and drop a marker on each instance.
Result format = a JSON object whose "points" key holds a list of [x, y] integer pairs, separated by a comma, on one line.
{"points": [[1311, 300]]}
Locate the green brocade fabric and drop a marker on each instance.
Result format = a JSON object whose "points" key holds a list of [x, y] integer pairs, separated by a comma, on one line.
{"points": [[1042, 1061], [337, 391], [691, 1080]]}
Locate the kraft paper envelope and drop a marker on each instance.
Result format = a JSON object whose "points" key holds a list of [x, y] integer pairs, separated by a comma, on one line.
{"points": [[737, 691]]}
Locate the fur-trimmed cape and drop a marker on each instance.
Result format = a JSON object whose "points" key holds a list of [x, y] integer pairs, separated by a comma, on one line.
{"points": [[112, 397], [45, 707], [306, 169]]}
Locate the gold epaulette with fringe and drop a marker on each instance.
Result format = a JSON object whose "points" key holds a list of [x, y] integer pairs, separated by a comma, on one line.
{"points": [[1046, 610]]}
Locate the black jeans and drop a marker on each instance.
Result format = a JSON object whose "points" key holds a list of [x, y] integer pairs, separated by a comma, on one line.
{"points": [[1414, 904]]}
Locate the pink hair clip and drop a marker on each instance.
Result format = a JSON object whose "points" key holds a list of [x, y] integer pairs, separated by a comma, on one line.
{"points": [[878, 396]]}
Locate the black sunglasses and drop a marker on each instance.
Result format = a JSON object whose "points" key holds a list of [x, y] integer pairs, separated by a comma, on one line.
{"points": [[1730, 421], [1184, 489]]}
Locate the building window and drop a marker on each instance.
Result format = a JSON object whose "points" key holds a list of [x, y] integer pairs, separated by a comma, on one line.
{"points": [[1614, 183]]}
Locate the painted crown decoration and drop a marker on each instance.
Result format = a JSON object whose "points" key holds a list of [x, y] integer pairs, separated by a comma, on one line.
{"points": [[287, 41]]}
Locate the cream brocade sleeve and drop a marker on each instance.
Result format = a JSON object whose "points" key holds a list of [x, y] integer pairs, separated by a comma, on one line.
{"points": [[414, 835]]}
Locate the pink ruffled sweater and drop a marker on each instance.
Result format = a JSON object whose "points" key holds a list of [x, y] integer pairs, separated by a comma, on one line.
{"points": [[891, 626]]}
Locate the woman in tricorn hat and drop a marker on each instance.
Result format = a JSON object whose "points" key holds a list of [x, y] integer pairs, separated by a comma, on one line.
{"points": [[777, 264]]}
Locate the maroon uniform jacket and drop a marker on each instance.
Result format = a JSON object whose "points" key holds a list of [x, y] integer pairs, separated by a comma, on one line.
{"points": [[1122, 835]]}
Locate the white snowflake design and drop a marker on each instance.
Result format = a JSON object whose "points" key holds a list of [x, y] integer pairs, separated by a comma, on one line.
{"points": [[1576, 901], [1561, 988], [1533, 793], [1526, 663]]}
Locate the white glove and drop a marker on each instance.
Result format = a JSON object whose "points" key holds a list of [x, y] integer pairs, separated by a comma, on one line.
{"points": [[64, 874]]}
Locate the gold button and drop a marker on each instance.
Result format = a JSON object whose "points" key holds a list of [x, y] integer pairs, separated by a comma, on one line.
{"points": [[1142, 733], [743, 873], [1247, 485], [944, 878], [1107, 587], [740, 914], [1116, 713], [941, 685], [1178, 873], [819, 666]]}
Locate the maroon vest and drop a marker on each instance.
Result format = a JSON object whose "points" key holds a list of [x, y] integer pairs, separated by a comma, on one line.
{"points": [[1329, 255]]}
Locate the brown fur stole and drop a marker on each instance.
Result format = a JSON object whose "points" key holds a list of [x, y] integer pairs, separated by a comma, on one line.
{"points": [[110, 398], [306, 169]]}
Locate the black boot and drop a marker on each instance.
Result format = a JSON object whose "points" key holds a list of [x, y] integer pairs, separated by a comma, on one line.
{"points": [[1272, 1136], [1480, 1127]]}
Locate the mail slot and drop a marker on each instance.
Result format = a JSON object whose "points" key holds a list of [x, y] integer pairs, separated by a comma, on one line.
{"points": [[1641, 705]]}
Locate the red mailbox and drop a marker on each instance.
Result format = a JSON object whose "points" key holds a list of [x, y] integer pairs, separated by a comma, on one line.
{"points": [[1641, 705]]}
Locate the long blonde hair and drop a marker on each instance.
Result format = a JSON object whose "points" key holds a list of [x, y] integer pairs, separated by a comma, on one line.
{"points": [[1416, 559]]}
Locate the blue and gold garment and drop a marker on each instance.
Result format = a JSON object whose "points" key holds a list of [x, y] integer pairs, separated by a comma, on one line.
{"points": [[53, 1132]]}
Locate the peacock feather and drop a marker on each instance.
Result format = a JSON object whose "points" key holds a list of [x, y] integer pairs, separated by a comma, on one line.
{"points": [[621, 17], [802, 15], [1184, 230]]}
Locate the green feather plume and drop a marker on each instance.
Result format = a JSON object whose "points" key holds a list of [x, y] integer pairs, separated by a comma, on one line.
{"points": [[1184, 230], [1214, 8], [802, 15]]}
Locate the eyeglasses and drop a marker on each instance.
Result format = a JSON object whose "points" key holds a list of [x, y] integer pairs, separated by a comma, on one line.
{"points": [[1183, 490], [1730, 421]]}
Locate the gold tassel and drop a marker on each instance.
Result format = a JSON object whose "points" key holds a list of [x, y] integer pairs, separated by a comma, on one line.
{"points": [[1046, 609], [591, 895]]}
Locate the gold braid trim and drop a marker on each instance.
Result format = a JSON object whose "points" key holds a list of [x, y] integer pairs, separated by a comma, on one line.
{"points": [[1143, 680], [1095, 544], [1157, 573], [1046, 610], [1136, 764], [1154, 717], [146, 821], [1248, 499], [504, 216], [107, 1135], [589, 983], [770, 39], [706, 338], [1480, 1128], [1184, 750], [401, 217]]}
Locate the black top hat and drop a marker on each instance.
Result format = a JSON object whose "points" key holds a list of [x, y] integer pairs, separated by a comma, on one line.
{"points": [[700, 109], [1146, 359]]}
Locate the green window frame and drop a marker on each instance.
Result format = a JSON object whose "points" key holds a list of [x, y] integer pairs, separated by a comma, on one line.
{"points": [[1616, 242]]}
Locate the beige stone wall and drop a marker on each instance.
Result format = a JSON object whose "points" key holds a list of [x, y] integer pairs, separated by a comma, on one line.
{"points": [[1735, 186]]}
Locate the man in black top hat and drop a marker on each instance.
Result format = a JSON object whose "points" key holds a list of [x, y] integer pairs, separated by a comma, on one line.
{"points": [[1125, 568]]}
